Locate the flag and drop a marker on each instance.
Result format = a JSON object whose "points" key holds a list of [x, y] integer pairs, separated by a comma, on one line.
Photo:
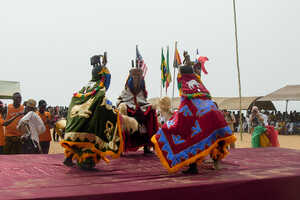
{"points": [[177, 60], [168, 74], [140, 62], [163, 68], [202, 60]]}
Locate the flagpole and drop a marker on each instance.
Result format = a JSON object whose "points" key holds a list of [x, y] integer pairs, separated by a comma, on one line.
{"points": [[160, 82], [160, 89], [172, 100], [168, 67], [238, 67]]}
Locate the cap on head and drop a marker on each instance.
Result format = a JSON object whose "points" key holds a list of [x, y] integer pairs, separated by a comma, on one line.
{"points": [[31, 103]]}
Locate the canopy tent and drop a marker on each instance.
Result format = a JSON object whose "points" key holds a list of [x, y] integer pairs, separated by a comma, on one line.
{"points": [[229, 103], [287, 93], [233, 103], [7, 88]]}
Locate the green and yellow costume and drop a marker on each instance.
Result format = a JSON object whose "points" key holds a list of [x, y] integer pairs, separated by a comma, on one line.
{"points": [[93, 129]]}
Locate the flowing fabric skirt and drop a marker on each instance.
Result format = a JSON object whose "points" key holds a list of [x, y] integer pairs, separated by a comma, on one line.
{"points": [[196, 130]]}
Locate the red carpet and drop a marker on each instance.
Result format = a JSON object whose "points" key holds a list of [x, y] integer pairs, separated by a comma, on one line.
{"points": [[262, 173]]}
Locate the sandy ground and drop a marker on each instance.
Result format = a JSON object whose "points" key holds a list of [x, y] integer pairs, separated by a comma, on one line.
{"points": [[286, 141]]}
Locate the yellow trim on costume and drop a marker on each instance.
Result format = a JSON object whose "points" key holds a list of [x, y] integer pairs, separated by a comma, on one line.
{"points": [[121, 147], [104, 70], [69, 151], [193, 159]]}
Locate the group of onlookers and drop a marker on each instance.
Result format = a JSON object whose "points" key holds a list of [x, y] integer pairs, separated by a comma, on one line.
{"points": [[25, 128], [283, 122]]}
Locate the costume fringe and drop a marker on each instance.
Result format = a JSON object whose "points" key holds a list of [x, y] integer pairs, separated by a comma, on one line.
{"points": [[212, 150]]}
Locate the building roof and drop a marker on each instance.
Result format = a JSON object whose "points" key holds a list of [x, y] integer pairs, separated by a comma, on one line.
{"points": [[7, 88]]}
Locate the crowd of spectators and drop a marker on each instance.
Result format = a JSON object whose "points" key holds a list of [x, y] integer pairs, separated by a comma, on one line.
{"points": [[26, 127], [285, 123]]}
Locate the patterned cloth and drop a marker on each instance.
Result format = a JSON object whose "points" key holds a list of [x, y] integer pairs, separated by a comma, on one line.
{"points": [[196, 130], [93, 129]]}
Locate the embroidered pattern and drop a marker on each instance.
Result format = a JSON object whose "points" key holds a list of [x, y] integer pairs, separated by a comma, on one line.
{"points": [[186, 111], [196, 129], [177, 139], [203, 106], [176, 158], [170, 123]]}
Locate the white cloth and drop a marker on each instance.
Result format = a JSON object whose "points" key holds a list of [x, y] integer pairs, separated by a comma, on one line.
{"points": [[128, 98], [265, 117], [35, 123], [290, 127]]}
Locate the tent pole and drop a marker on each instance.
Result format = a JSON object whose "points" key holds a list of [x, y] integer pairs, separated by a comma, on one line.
{"points": [[238, 67], [286, 106]]}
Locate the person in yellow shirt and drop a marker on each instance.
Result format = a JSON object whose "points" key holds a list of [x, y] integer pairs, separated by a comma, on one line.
{"points": [[45, 138], [13, 143], [2, 140]]}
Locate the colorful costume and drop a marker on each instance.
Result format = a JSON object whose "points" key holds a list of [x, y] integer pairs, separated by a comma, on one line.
{"points": [[264, 136], [196, 130], [93, 130], [134, 96]]}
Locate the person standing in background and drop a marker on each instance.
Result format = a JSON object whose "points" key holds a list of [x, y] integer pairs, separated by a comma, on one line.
{"points": [[257, 118], [31, 126], [230, 119], [45, 138], [2, 138], [15, 110]]}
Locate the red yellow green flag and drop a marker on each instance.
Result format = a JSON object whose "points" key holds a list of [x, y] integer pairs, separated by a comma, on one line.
{"points": [[163, 68], [168, 74], [177, 60]]}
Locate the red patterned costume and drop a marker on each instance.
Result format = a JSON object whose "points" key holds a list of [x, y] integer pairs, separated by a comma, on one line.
{"points": [[196, 130]]}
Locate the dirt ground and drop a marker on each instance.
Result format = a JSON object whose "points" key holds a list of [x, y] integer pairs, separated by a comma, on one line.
{"points": [[286, 141]]}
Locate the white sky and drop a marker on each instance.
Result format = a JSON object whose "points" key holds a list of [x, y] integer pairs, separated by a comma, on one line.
{"points": [[46, 45]]}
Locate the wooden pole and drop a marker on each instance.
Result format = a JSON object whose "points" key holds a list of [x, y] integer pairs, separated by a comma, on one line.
{"points": [[238, 66]]}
